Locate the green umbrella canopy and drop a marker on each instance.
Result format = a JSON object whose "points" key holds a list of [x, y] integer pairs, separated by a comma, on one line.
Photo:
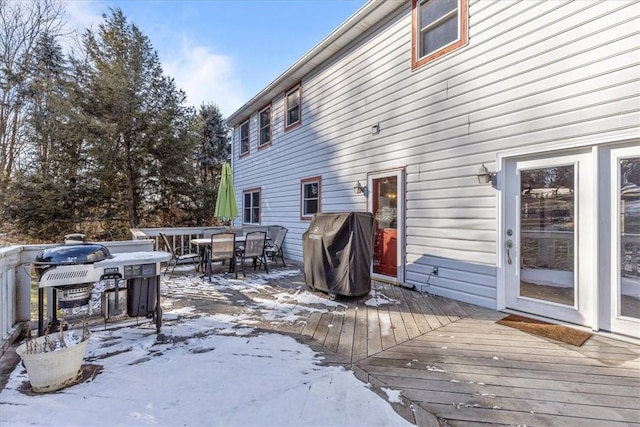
{"points": [[226, 206]]}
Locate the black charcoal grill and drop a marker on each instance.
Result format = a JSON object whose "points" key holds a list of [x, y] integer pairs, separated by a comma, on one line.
{"points": [[73, 268], [74, 276]]}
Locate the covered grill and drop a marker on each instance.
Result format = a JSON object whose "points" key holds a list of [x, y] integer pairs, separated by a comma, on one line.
{"points": [[72, 269], [337, 250]]}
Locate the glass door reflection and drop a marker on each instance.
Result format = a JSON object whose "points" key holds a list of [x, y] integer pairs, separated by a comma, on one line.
{"points": [[629, 262], [547, 241]]}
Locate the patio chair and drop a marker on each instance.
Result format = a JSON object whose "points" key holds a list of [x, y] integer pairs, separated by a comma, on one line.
{"points": [[273, 249], [179, 254], [253, 249], [208, 232], [223, 247]]}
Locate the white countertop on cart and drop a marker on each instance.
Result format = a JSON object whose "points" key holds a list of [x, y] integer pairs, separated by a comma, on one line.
{"points": [[145, 257]]}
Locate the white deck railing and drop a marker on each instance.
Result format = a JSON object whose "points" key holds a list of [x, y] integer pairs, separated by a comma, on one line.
{"points": [[180, 237], [9, 318]]}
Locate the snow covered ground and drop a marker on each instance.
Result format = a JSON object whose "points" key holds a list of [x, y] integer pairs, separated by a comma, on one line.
{"points": [[206, 370]]}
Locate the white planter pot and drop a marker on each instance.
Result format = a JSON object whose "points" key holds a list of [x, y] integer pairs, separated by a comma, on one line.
{"points": [[56, 369]]}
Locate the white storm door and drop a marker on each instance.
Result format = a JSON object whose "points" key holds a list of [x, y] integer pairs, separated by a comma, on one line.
{"points": [[548, 237]]}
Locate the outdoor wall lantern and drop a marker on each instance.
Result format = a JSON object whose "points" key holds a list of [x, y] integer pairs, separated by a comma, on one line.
{"points": [[359, 188], [486, 177], [375, 129]]}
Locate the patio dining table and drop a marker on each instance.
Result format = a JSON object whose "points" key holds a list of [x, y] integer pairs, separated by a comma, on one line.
{"points": [[202, 244]]}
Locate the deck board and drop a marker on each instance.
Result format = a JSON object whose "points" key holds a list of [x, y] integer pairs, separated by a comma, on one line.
{"points": [[360, 333], [374, 338], [398, 326], [409, 322], [333, 332], [345, 342]]}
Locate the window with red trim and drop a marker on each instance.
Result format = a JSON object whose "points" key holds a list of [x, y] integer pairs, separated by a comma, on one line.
{"points": [[264, 119], [439, 27], [292, 106], [244, 138]]}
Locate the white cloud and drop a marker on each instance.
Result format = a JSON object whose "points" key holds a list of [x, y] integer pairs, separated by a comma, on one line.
{"points": [[79, 17], [206, 77], [82, 14]]}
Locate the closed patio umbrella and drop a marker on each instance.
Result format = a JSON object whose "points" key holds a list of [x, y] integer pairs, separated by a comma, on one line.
{"points": [[226, 206]]}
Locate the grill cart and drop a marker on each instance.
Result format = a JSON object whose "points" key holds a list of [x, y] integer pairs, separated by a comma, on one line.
{"points": [[71, 270]]}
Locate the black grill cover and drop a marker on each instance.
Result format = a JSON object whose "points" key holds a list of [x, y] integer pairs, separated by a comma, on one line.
{"points": [[337, 252]]}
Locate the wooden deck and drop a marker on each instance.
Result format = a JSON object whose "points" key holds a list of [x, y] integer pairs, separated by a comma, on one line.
{"points": [[453, 365], [451, 359]]}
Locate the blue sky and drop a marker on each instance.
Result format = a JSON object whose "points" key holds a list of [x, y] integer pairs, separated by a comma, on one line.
{"points": [[224, 51]]}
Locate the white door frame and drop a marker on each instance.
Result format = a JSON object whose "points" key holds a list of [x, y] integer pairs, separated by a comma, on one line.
{"points": [[611, 318], [508, 274]]}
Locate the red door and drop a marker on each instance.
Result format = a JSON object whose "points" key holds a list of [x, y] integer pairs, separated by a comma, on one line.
{"points": [[385, 211]]}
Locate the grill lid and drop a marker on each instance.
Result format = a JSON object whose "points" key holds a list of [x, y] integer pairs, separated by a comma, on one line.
{"points": [[73, 254]]}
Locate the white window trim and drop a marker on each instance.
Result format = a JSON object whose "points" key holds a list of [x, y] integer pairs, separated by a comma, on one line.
{"points": [[303, 199], [251, 208]]}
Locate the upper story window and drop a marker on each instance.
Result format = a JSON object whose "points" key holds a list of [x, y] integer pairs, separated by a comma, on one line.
{"points": [[439, 26], [244, 138], [264, 119], [310, 192], [292, 106], [251, 207]]}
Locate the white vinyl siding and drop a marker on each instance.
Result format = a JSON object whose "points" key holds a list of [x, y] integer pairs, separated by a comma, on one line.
{"points": [[540, 74]]}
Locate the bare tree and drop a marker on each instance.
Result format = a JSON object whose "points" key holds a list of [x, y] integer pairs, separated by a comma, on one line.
{"points": [[21, 25]]}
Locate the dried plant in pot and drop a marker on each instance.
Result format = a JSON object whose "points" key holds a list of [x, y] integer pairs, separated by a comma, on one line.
{"points": [[54, 361]]}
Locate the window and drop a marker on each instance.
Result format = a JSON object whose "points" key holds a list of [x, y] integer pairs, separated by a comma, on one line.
{"points": [[439, 26], [251, 207], [310, 192], [292, 106], [244, 138], [265, 126]]}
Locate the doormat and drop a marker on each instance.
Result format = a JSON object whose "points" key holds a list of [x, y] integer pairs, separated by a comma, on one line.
{"points": [[547, 330]]}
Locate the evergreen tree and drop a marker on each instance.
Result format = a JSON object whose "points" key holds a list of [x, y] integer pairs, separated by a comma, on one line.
{"points": [[139, 142], [22, 24], [215, 149], [42, 200]]}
